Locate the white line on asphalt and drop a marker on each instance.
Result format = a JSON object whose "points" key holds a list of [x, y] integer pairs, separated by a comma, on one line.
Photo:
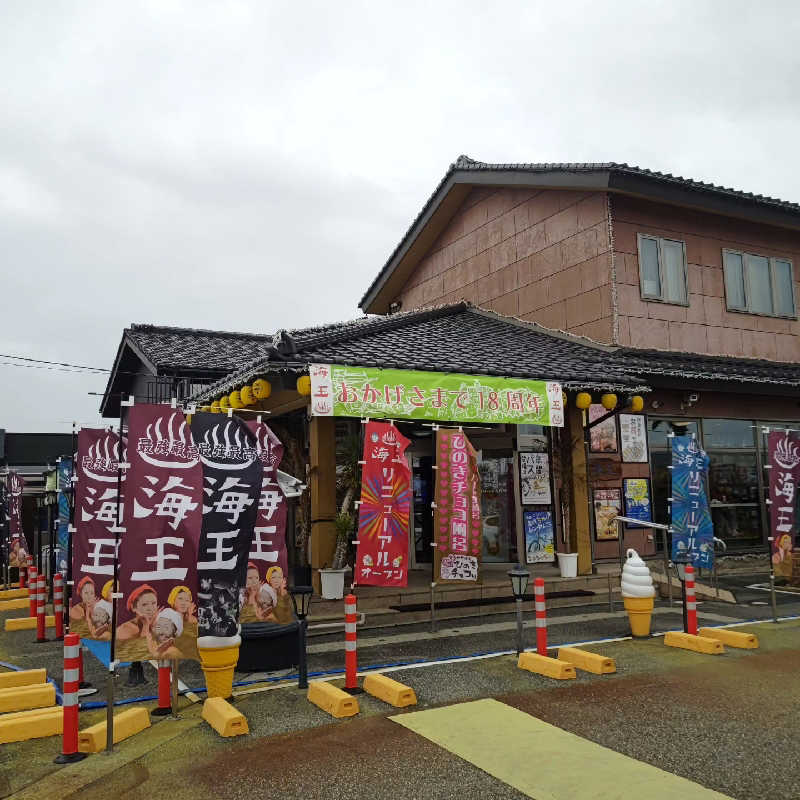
{"points": [[762, 587]]}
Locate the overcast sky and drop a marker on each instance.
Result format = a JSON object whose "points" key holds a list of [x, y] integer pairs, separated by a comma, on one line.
{"points": [[250, 165]]}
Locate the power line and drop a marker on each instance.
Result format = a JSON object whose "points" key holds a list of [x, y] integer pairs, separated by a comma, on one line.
{"points": [[54, 363]]}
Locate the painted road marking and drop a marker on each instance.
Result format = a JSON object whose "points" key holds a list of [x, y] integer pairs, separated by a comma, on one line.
{"points": [[542, 761]]}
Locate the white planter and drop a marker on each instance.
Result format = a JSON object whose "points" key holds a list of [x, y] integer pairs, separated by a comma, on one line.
{"points": [[332, 583], [568, 564]]}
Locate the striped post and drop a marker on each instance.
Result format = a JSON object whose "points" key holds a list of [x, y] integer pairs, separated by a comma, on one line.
{"points": [[58, 605], [350, 655], [691, 602], [23, 575], [69, 746], [164, 699], [41, 599], [541, 616], [33, 590]]}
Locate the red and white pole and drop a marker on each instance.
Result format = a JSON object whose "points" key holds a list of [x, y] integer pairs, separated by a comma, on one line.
{"points": [[41, 599], [69, 746], [691, 601], [33, 590], [164, 697], [58, 605], [23, 575], [350, 655], [541, 616]]}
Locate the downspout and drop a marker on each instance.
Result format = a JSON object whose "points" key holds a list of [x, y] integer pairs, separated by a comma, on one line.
{"points": [[613, 264]]}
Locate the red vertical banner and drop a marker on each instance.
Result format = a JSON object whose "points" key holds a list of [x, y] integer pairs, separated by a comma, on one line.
{"points": [[93, 538], [382, 552], [783, 452], [266, 597], [17, 546], [457, 513], [157, 616]]}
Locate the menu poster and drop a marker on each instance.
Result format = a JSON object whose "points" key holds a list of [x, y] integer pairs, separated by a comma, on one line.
{"points": [[535, 474], [538, 536], [634, 438], [636, 492], [602, 437], [607, 506]]}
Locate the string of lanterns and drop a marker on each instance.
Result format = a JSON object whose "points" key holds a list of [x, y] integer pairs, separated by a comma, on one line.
{"points": [[249, 395]]}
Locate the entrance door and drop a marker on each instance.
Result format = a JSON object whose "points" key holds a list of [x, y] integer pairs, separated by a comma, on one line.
{"points": [[422, 522], [498, 509]]}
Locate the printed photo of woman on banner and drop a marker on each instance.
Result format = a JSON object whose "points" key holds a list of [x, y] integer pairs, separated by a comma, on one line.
{"points": [[266, 597], [93, 540], [18, 549], [158, 550]]}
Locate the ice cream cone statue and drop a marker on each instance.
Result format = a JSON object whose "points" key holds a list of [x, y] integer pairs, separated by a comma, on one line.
{"points": [[637, 593], [218, 664]]}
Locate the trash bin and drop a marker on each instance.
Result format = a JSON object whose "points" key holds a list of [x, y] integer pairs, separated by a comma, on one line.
{"points": [[568, 564], [268, 646]]}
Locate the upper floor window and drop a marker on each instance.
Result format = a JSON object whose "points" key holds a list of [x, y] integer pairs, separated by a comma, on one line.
{"points": [[759, 284], [662, 269]]}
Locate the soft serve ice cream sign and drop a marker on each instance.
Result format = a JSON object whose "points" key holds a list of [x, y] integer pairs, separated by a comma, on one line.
{"points": [[637, 593]]}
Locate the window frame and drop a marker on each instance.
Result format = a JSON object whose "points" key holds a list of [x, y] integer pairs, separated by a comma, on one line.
{"points": [[659, 242], [743, 254]]}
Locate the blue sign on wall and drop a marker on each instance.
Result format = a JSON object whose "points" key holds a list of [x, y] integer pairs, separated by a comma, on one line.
{"points": [[692, 529]]}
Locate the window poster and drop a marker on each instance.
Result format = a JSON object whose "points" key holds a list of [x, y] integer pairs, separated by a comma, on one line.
{"points": [[607, 506], [636, 493], [634, 438], [535, 478], [538, 536], [602, 437]]}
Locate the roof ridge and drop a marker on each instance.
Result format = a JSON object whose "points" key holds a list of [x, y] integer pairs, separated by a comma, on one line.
{"points": [[147, 327]]}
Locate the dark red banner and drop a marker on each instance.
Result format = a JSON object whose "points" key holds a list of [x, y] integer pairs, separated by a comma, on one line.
{"points": [[157, 617], [783, 451], [93, 539], [457, 516], [382, 552], [17, 546], [266, 597]]}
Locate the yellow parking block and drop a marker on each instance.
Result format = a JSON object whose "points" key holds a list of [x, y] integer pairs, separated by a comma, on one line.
{"points": [[390, 691], [336, 702], [544, 665], [224, 718], [126, 724], [589, 662], [21, 698], [28, 623], [15, 605], [12, 594], [35, 724], [745, 641], [698, 644], [23, 677]]}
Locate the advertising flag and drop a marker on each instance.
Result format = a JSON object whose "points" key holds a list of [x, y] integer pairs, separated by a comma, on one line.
{"points": [[382, 552], [93, 541], [18, 548], [783, 450], [265, 597], [156, 617], [692, 529], [232, 476], [62, 526], [457, 514]]}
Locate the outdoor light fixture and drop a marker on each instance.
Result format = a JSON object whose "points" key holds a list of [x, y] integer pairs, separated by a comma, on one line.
{"points": [[303, 594], [519, 583]]}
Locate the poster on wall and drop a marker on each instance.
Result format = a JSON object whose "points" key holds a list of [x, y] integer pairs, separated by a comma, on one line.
{"points": [[602, 437], [692, 528], [607, 505], [535, 478], [783, 452], [457, 513], [636, 493], [538, 536], [383, 514], [633, 437]]}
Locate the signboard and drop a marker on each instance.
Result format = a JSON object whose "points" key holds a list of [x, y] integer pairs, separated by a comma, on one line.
{"points": [[535, 478], [602, 437], [783, 451], [634, 438], [692, 529], [538, 536], [636, 493], [457, 513], [382, 554], [346, 391], [607, 506]]}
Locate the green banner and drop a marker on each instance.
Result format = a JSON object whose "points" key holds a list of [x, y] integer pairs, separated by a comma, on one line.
{"points": [[346, 391]]}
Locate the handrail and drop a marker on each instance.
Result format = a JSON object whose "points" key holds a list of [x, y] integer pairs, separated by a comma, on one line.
{"points": [[643, 523]]}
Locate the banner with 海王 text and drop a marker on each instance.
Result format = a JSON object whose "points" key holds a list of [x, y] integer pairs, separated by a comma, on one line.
{"points": [[783, 452]]}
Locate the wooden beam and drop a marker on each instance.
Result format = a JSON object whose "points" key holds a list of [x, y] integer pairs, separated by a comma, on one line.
{"points": [[577, 485], [322, 484]]}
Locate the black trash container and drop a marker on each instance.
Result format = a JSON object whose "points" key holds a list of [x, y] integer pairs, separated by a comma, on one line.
{"points": [[268, 646]]}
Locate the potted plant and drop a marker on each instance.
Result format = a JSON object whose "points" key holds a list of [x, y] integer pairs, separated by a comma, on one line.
{"points": [[332, 578]]}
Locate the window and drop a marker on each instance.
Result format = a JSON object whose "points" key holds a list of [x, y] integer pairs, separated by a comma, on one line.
{"points": [[662, 269], [758, 284]]}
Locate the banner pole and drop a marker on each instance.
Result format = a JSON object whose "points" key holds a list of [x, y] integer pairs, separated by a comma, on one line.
{"points": [[70, 528], [770, 537]]}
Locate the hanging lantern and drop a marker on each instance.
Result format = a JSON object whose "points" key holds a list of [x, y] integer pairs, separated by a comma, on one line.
{"points": [[583, 400], [215, 409], [564, 399], [304, 385], [609, 401], [637, 403], [248, 398], [261, 389], [235, 399], [224, 405]]}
